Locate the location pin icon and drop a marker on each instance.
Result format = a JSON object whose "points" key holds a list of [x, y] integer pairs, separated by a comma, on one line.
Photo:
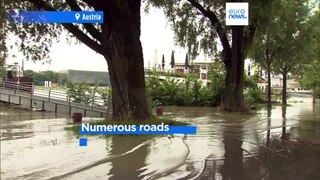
{"points": [[77, 16]]}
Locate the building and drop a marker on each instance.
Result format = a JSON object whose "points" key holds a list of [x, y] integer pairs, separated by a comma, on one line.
{"points": [[90, 77], [252, 69], [201, 69]]}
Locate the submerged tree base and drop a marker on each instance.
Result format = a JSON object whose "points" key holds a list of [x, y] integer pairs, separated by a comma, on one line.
{"points": [[236, 109]]}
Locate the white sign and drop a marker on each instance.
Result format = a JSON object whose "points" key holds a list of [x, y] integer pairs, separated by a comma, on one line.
{"points": [[237, 14]]}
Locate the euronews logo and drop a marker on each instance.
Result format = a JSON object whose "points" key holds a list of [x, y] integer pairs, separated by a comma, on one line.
{"points": [[237, 14]]}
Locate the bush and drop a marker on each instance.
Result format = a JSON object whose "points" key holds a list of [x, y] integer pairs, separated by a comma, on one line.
{"points": [[254, 95], [105, 95], [81, 92], [190, 92], [217, 87]]}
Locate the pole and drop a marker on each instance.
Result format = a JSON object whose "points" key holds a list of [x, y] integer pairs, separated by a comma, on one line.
{"points": [[18, 76], [49, 94]]}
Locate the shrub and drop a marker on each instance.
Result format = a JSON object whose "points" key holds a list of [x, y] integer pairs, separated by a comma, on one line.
{"points": [[80, 92], [190, 92], [254, 95], [105, 95]]}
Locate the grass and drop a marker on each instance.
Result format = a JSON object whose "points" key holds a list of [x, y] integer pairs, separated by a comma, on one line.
{"points": [[153, 121]]}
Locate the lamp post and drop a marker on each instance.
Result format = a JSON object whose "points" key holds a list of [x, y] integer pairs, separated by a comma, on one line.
{"points": [[16, 65]]}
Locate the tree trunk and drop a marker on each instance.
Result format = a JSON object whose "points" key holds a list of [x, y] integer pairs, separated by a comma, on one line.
{"points": [[268, 126], [233, 167], [269, 103], [137, 87], [233, 99], [119, 85], [284, 123], [123, 48], [284, 85], [268, 61]]}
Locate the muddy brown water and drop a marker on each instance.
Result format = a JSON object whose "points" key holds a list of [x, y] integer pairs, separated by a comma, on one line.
{"points": [[285, 145]]}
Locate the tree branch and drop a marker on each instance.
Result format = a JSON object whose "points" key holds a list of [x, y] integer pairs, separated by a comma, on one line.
{"points": [[89, 27], [248, 37], [94, 4], [277, 49], [215, 22], [289, 68], [71, 28]]}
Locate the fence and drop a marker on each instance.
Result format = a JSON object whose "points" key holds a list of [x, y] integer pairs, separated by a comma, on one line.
{"points": [[92, 100]]}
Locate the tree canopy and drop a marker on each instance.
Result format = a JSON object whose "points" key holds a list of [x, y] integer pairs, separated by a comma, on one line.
{"points": [[35, 39], [311, 77], [200, 26], [117, 40], [285, 42]]}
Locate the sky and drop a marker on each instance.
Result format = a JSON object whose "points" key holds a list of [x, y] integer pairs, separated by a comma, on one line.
{"points": [[156, 34]]}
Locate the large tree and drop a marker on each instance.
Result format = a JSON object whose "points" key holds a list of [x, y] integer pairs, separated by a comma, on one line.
{"points": [[117, 40], [264, 48], [201, 25], [310, 76], [298, 48], [284, 43]]}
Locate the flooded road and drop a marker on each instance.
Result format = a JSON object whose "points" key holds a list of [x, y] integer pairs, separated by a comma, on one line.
{"points": [[283, 143]]}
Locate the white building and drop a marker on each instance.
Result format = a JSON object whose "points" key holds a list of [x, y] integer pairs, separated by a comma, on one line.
{"points": [[276, 80]]}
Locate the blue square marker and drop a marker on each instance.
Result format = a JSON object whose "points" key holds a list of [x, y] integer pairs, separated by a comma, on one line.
{"points": [[83, 141]]}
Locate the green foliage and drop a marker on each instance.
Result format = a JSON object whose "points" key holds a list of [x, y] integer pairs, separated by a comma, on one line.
{"points": [[164, 92], [3, 72], [3, 34], [105, 95], [80, 93], [40, 77], [84, 94], [311, 77], [283, 42], [217, 86], [34, 39], [62, 78], [189, 92], [283, 37], [250, 81], [254, 95], [194, 25]]}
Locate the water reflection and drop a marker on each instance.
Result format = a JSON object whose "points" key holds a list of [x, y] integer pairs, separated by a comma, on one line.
{"points": [[280, 143], [233, 163], [292, 155], [284, 120], [268, 126], [128, 166]]}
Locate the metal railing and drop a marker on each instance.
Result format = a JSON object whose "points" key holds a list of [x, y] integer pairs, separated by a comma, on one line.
{"points": [[14, 87], [28, 89]]}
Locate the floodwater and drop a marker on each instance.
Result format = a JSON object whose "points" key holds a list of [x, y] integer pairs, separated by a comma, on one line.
{"points": [[286, 145]]}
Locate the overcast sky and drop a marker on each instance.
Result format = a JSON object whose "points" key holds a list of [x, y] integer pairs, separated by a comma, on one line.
{"points": [[156, 33]]}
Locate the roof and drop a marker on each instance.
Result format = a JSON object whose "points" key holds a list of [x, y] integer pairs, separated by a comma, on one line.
{"points": [[90, 77]]}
